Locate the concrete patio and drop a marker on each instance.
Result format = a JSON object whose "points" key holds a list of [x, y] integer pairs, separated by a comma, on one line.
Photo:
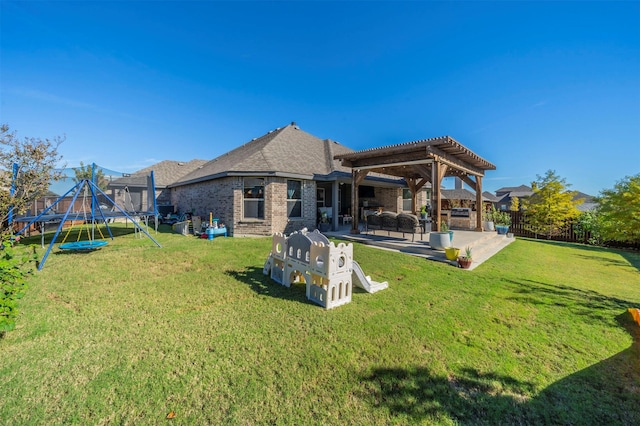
{"points": [[483, 244]]}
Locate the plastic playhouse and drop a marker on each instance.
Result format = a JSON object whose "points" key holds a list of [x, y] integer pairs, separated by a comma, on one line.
{"points": [[328, 271]]}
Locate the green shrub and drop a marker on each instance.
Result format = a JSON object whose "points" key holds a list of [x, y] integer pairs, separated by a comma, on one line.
{"points": [[14, 269]]}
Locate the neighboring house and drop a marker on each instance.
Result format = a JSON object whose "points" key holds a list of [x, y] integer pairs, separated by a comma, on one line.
{"points": [[461, 197], [452, 198], [490, 198], [506, 194], [278, 182], [132, 192], [588, 202]]}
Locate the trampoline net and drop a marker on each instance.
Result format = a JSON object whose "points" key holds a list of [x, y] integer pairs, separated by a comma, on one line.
{"points": [[132, 192]]}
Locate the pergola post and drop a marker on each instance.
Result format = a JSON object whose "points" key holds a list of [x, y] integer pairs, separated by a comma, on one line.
{"points": [[335, 196], [357, 176], [479, 204], [435, 194], [477, 186], [414, 186]]}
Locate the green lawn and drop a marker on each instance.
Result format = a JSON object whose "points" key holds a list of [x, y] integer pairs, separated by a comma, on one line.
{"points": [[124, 335]]}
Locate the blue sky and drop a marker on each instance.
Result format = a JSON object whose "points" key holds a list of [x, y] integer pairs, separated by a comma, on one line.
{"points": [[529, 86]]}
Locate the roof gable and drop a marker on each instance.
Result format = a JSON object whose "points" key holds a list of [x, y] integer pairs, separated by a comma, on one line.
{"points": [[287, 151]]}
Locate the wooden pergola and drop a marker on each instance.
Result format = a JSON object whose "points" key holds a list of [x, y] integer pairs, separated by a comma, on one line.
{"points": [[419, 162]]}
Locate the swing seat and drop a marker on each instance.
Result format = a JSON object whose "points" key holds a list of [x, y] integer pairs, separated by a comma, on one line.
{"points": [[83, 245]]}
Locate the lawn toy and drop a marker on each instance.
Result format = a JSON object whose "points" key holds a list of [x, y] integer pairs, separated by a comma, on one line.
{"points": [[328, 270]]}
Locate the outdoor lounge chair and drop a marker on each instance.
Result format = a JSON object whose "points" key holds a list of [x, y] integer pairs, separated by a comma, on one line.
{"points": [[409, 223], [374, 221]]}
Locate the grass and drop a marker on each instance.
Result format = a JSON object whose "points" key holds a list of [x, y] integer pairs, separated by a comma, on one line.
{"points": [[126, 334]]}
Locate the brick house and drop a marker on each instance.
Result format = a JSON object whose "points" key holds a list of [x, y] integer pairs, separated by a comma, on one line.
{"points": [[278, 183], [505, 195]]}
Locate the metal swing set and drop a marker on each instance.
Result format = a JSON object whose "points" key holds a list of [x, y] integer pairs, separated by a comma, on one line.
{"points": [[85, 187]]}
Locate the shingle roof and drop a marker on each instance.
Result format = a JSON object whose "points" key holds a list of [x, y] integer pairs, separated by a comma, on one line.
{"points": [[285, 151], [460, 194], [490, 197], [164, 173], [518, 189]]}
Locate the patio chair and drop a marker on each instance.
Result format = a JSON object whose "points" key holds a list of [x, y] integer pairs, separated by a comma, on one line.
{"points": [[374, 221], [408, 223]]}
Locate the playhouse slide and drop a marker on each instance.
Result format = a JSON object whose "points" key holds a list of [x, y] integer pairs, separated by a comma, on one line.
{"points": [[365, 282]]}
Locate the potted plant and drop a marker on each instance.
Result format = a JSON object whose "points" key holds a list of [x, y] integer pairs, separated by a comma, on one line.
{"points": [[423, 212], [466, 259], [440, 240], [451, 253], [445, 228], [487, 219], [503, 221], [324, 222]]}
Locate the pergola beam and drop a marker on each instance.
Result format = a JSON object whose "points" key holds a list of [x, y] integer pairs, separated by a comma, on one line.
{"points": [[454, 162]]}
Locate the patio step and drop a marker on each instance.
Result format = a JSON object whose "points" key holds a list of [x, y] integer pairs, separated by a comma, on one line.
{"points": [[486, 247], [483, 244]]}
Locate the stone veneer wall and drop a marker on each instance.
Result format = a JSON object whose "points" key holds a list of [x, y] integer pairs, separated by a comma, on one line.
{"points": [[467, 223]]}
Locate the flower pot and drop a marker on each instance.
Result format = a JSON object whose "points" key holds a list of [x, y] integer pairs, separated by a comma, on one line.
{"points": [[439, 240], [464, 262], [488, 226], [323, 226], [451, 253], [502, 229]]}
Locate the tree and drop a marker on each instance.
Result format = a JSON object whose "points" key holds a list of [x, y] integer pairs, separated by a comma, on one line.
{"points": [[619, 210], [551, 206], [588, 226], [87, 172], [515, 204], [36, 160]]}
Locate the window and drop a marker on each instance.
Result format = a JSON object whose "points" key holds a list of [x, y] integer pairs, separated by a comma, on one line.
{"points": [[406, 200], [253, 198], [294, 198]]}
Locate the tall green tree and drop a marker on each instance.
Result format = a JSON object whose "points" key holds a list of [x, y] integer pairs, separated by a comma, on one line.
{"points": [[36, 159], [87, 172], [619, 211], [551, 205]]}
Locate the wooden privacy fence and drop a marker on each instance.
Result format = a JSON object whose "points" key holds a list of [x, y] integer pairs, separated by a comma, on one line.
{"points": [[567, 233]]}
